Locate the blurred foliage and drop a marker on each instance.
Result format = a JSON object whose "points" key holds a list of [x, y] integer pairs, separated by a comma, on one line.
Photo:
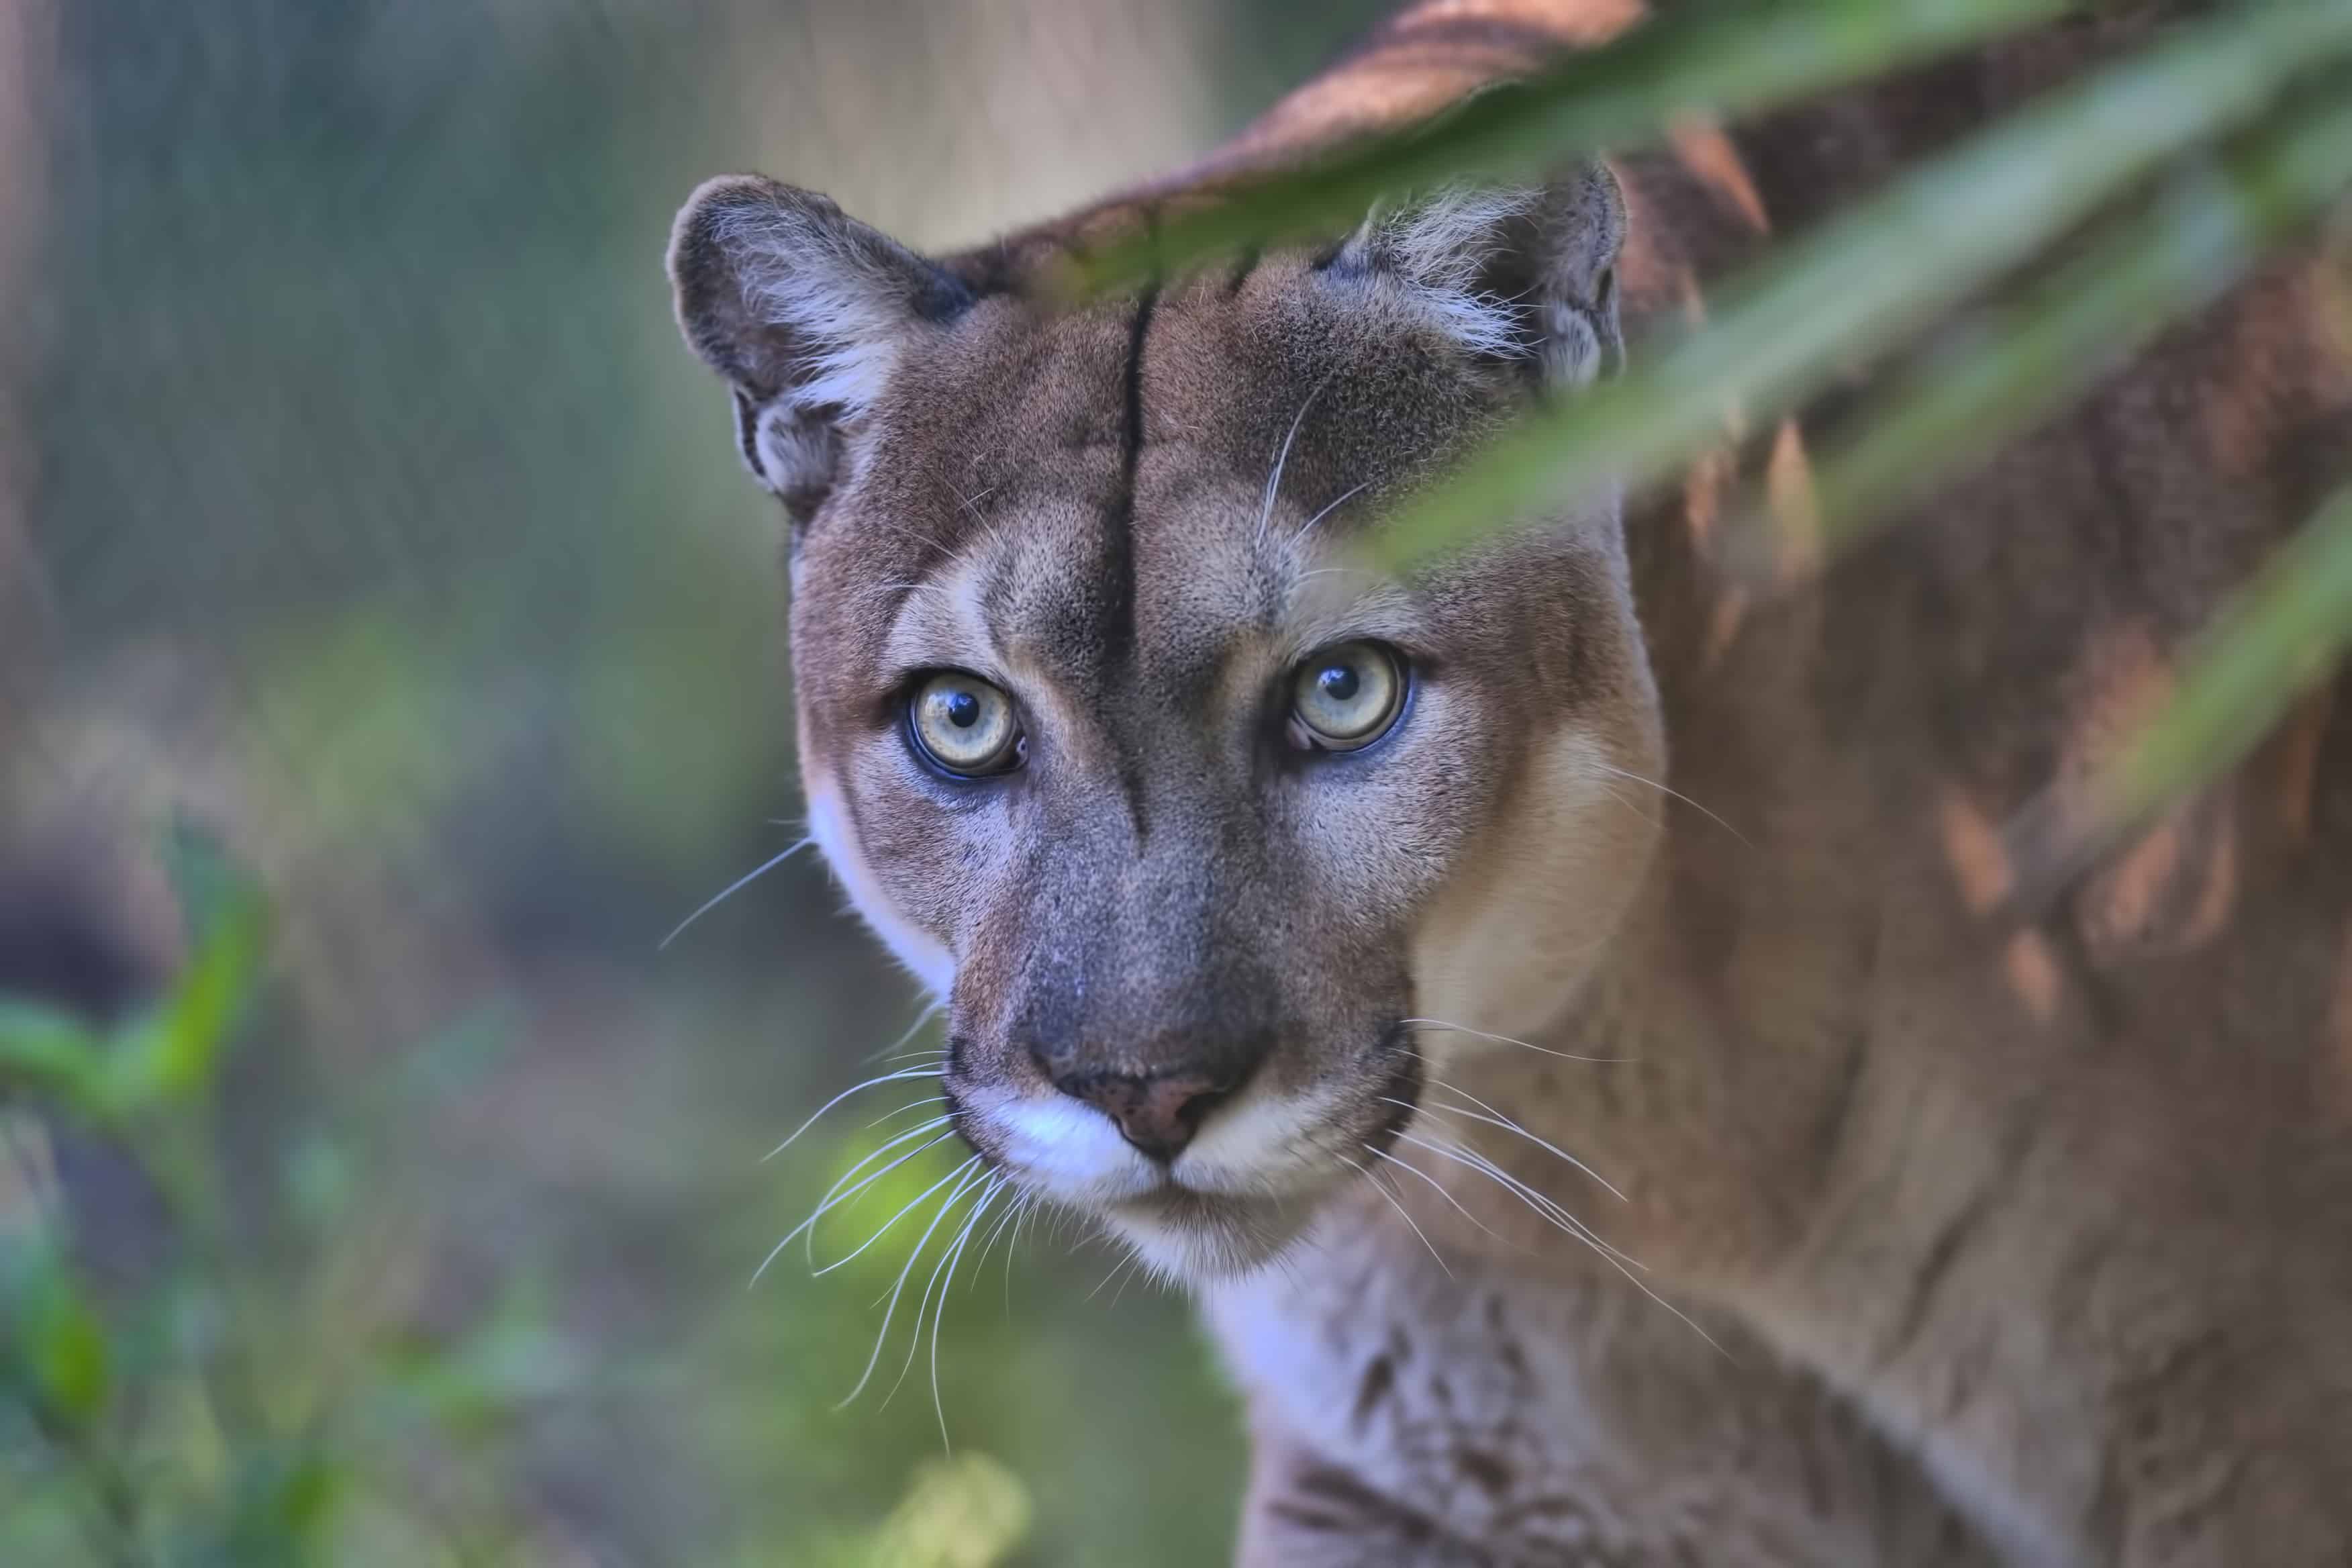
{"points": [[256, 1386]]}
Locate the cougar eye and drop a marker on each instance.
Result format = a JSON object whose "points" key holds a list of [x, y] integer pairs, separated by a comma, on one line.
{"points": [[963, 725], [1345, 698]]}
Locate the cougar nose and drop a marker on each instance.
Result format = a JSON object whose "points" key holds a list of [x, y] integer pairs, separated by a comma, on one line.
{"points": [[1156, 1111]]}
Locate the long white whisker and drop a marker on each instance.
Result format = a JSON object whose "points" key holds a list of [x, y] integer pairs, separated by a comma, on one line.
{"points": [[1023, 1211], [938, 1315], [898, 1076], [731, 888], [946, 1256], [1345, 497], [987, 1190], [1544, 1207], [1508, 1040], [921, 1018], [910, 1105], [1679, 795], [1124, 1264], [1434, 1185], [1371, 1179], [1281, 459], [1003, 1222], [883, 1334], [895, 1218], [829, 1200], [1508, 1125]]}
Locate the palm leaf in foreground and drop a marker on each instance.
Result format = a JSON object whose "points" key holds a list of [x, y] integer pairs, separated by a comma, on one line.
{"points": [[2280, 636], [1857, 285], [1720, 61], [2210, 227]]}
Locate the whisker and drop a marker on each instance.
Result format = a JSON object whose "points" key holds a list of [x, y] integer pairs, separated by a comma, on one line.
{"points": [[1024, 1212], [731, 888], [1610, 1254], [898, 1076], [1371, 1179], [988, 1244], [1124, 1264], [1679, 795], [1508, 1125], [988, 1191], [971, 504], [1542, 1204], [900, 1284], [921, 1018], [1282, 458], [829, 1200], [1345, 497], [1508, 1040], [939, 1316], [895, 1218], [1434, 1185], [912, 1105]]}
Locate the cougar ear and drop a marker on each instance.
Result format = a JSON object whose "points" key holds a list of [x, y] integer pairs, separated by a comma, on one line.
{"points": [[1523, 273], [806, 311]]}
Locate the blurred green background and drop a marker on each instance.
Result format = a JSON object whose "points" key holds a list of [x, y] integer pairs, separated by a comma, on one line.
{"points": [[366, 533]]}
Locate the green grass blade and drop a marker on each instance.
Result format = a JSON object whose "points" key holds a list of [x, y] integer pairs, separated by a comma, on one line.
{"points": [[1853, 287], [2278, 638], [1721, 61], [2028, 358]]}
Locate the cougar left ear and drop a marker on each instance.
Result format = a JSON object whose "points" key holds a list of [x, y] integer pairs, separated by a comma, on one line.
{"points": [[807, 312], [1522, 273]]}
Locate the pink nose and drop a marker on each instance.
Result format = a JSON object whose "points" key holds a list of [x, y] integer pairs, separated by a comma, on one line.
{"points": [[1157, 1112]]}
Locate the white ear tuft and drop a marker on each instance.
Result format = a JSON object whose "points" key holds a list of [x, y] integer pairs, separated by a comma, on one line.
{"points": [[1517, 273], [807, 312]]}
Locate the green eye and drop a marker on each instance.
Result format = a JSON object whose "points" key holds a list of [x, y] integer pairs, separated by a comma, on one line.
{"points": [[964, 724], [1346, 698]]}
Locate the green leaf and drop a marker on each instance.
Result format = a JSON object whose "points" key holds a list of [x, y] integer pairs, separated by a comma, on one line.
{"points": [[1854, 286], [1719, 61], [175, 1052], [2031, 356], [2277, 639], [61, 1343], [46, 1051]]}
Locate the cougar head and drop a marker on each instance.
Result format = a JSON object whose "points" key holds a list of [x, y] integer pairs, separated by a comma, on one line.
{"points": [[1200, 830]]}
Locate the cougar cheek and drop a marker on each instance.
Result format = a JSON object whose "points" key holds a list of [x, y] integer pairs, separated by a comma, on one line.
{"points": [[830, 826]]}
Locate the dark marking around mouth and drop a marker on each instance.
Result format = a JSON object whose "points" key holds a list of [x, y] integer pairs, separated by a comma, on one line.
{"points": [[1400, 1093], [958, 1116]]}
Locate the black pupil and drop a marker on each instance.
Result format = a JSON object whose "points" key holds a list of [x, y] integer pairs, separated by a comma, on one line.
{"points": [[1339, 682], [963, 710]]}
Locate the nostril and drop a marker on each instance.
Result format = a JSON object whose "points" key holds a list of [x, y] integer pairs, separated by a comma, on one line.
{"points": [[1157, 1112], [1195, 1110]]}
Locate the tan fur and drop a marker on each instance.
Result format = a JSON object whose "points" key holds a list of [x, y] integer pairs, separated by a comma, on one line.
{"points": [[2014, 1238]]}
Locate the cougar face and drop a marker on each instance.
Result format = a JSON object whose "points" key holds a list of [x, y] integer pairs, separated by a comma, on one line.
{"points": [[1211, 841]]}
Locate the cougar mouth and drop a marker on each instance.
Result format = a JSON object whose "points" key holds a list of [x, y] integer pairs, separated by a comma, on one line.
{"points": [[1262, 1170]]}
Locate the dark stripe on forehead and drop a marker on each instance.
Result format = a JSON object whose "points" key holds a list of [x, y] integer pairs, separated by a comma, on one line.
{"points": [[1119, 540], [1118, 531]]}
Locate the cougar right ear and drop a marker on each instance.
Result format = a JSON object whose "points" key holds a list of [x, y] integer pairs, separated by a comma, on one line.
{"points": [[807, 312]]}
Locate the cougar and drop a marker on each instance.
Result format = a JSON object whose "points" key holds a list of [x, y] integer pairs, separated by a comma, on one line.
{"points": [[1562, 1008]]}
